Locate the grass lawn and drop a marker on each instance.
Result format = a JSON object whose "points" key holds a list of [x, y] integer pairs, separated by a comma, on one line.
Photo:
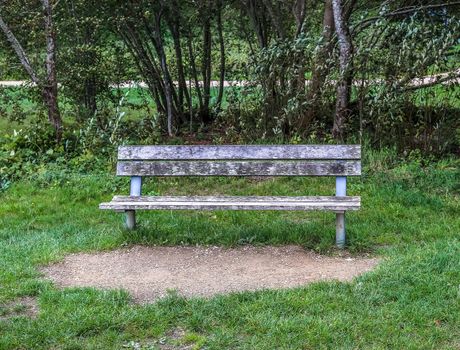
{"points": [[410, 217]]}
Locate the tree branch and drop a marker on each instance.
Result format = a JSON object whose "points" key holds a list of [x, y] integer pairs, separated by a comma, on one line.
{"points": [[411, 9], [433, 81], [18, 49], [405, 11], [275, 19]]}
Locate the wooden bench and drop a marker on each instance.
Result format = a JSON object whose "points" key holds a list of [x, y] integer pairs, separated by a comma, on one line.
{"points": [[254, 160]]}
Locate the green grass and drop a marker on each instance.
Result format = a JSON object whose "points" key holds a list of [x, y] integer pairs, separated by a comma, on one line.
{"points": [[410, 217]]}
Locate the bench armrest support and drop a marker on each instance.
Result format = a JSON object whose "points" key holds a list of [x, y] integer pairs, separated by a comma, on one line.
{"points": [[136, 186], [340, 191], [341, 186], [135, 190]]}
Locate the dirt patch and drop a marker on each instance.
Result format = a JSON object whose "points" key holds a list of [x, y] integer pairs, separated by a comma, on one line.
{"points": [[175, 339], [149, 272], [25, 306]]}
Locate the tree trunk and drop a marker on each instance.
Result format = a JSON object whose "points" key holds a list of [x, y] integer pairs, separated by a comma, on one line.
{"points": [[320, 72], [16, 46], [194, 69], [170, 111], [145, 66], [222, 56], [50, 98], [51, 88], [174, 20], [206, 69], [90, 95], [183, 93], [275, 17], [258, 21], [342, 108], [299, 12]]}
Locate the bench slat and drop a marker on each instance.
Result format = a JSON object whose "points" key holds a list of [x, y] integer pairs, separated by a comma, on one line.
{"points": [[240, 168], [234, 152], [221, 198], [233, 203]]}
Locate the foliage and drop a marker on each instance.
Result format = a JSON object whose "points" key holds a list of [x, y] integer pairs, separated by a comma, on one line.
{"points": [[87, 148], [285, 54], [399, 110], [280, 70], [91, 59]]}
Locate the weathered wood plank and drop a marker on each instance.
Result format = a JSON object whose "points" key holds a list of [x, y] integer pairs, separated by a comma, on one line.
{"points": [[240, 168], [233, 203], [222, 198], [126, 206], [234, 152]]}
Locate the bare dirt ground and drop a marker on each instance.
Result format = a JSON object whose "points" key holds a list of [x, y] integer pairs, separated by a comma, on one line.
{"points": [[24, 306], [149, 272]]}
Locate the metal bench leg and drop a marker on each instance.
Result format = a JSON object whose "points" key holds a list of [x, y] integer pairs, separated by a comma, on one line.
{"points": [[130, 219], [340, 230], [340, 191], [134, 191]]}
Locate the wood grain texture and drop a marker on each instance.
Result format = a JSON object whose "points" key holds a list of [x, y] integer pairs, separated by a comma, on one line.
{"points": [[240, 168], [239, 152], [339, 204], [221, 198]]}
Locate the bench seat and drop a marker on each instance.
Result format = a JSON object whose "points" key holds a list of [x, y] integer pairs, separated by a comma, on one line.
{"points": [[330, 203]]}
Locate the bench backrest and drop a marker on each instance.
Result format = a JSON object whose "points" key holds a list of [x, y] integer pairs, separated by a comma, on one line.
{"points": [[245, 160]]}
